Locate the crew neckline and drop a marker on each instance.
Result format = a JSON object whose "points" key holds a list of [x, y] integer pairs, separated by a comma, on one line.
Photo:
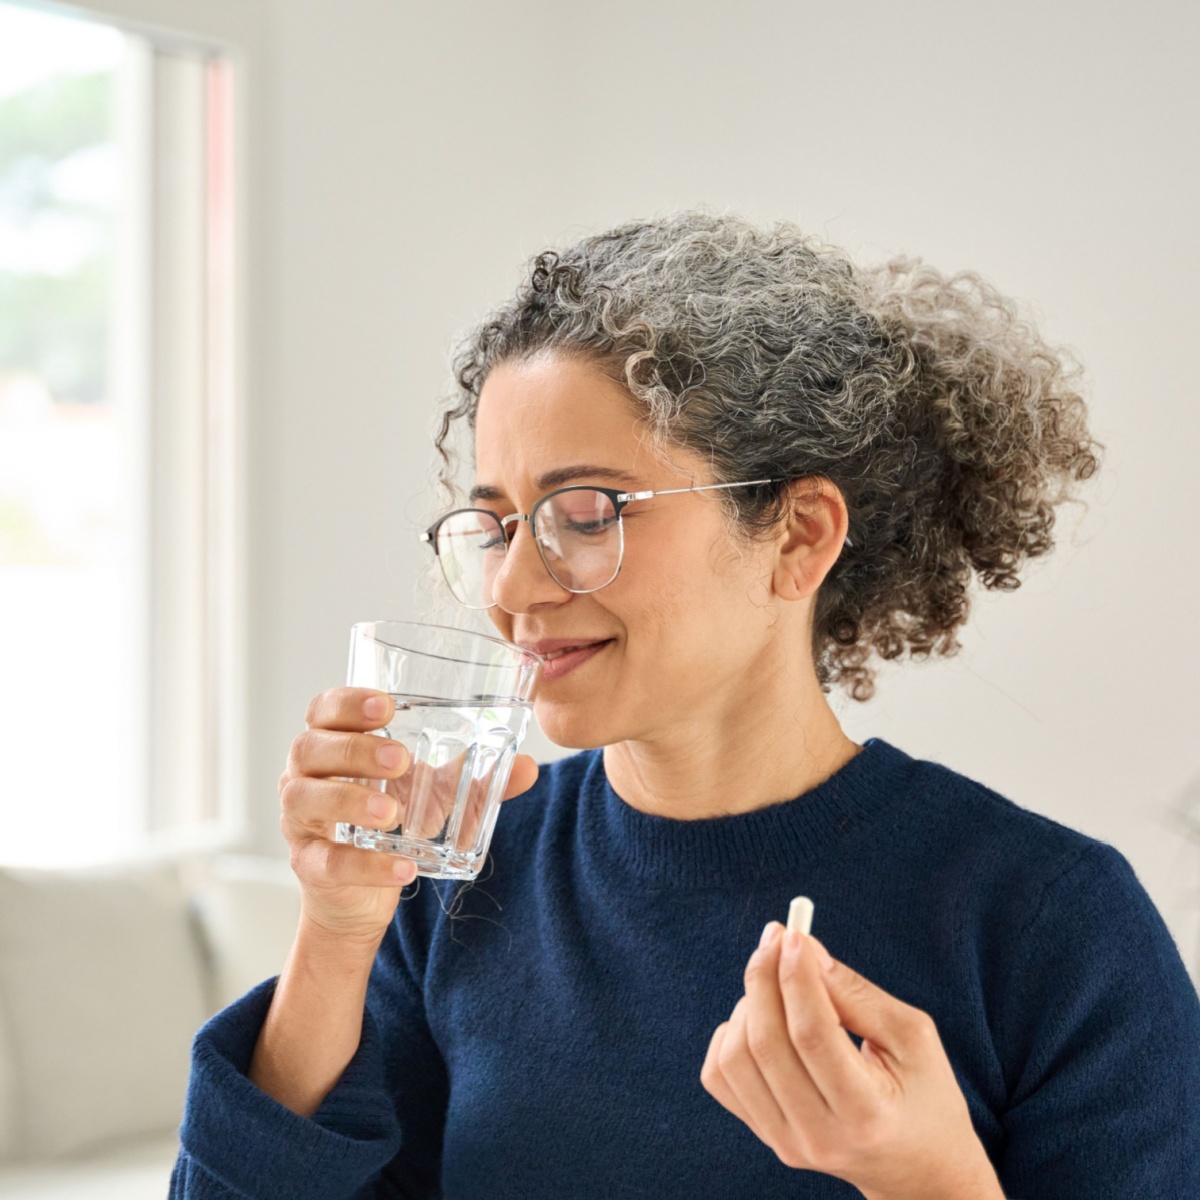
{"points": [[717, 851]]}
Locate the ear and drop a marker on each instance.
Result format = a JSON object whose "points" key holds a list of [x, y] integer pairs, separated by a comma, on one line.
{"points": [[811, 538]]}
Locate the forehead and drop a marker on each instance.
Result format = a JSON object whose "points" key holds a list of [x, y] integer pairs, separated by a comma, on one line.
{"points": [[540, 415]]}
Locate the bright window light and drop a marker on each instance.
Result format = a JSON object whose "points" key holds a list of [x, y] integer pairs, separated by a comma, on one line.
{"points": [[115, 440]]}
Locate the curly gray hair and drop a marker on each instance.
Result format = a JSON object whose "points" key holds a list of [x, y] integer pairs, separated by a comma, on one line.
{"points": [[950, 427]]}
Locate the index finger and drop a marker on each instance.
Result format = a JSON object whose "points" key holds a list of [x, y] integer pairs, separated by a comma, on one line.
{"points": [[349, 710], [815, 1029]]}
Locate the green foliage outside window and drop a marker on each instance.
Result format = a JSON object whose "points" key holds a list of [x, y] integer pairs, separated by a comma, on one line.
{"points": [[55, 325]]}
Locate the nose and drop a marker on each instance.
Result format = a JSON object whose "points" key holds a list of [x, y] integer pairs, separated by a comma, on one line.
{"points": [[522, 580]]}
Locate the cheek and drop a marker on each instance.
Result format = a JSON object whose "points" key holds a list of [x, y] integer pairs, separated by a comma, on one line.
{"points": [[697, 581], [655, 595], [699, 616], [683, 595]]}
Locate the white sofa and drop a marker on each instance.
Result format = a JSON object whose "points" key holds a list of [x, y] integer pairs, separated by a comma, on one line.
{"points": [[105, 976]]}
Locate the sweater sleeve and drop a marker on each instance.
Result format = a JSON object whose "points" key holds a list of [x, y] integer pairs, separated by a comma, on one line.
{"points": [[1099, 1029], [376, 1134]]}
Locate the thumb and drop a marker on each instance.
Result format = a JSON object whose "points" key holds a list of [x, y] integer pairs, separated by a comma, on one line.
{"points": [[522, 776], [867, 1010]]}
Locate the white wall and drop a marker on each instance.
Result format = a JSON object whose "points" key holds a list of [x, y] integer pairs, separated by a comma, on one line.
{"points": [[405, 159]]}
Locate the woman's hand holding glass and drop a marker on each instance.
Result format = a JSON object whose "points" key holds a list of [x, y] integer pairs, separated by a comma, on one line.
{"points": [[890, 1118], [348, 891]]}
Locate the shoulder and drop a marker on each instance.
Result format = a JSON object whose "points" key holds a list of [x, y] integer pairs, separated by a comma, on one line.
{"points": [[1056, 917], [961, 817], [991, 870]]}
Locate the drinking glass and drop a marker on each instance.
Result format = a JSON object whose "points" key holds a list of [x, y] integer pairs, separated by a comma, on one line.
{"points": [[463, 702]]}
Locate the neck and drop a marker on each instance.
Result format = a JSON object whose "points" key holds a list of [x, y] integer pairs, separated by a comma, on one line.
{"points": [[762, 749]]}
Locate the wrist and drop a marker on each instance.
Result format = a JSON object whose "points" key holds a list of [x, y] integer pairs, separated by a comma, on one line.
{"points": [[976, 1181], [979, 1182], [312, 1029], [333, 948]]}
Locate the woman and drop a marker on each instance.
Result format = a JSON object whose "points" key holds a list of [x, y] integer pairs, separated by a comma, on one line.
{"points": [[995, 1008]]}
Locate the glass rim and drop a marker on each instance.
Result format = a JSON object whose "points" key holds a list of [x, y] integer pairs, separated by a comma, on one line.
{"points": [[486, 637]]}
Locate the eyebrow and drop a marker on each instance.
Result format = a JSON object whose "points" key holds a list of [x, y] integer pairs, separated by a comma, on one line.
{"points": [[557, 478]]}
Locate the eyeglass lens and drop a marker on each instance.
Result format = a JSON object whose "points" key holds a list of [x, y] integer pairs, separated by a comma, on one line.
{"points": [[578, 533]]}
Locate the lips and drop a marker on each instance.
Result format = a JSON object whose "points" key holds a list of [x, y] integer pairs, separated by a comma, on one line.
{"points": [[567, 660], [567, 650], [548, 646]]}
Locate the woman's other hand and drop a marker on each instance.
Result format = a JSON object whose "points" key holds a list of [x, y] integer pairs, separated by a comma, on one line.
{"points": [[346, 890], [889, 1118]]}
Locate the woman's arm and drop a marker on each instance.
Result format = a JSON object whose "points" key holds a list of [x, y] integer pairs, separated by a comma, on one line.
{"points": [[236, 1140], [313, 1026], [1099, 1031]]}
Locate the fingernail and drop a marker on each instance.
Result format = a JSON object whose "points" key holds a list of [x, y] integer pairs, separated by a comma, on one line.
{"points": [[823, 955], [374, 707], [381, 806], [793, 944], [769, 934], [404, 869], [390, 756]]}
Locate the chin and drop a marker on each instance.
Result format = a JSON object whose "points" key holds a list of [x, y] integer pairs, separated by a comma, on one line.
{"points": [[569, 726]]}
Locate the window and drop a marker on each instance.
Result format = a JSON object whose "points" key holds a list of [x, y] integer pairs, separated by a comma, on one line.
{"points": [[117, 613]]}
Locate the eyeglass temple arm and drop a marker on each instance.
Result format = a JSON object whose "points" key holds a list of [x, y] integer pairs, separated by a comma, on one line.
{"points": [[625, 497], [705, 487]]}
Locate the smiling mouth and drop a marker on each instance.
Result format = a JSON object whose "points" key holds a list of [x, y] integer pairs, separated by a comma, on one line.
{"points": [[564, 662], [572, 649]]}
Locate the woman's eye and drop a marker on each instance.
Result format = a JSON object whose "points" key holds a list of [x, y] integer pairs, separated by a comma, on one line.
{"points": [[592, 526]]}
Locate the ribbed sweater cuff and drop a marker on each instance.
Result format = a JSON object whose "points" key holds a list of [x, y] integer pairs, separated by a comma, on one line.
{"points": [[250, 1141]]}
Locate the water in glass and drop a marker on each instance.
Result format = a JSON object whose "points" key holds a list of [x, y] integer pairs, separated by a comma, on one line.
{"points": [[448, 799]]}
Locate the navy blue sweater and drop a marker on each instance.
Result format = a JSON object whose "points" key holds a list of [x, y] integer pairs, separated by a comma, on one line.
{"points": [[540, 1032]]}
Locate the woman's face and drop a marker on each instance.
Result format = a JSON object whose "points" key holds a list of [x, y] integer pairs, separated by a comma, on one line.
{"points": [[694, 637]]}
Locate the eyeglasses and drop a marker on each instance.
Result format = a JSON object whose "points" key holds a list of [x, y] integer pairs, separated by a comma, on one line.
{"points": [[577, 529]]}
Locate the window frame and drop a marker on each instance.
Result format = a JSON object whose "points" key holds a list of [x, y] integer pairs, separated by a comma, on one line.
{"points": [[231, 35]]}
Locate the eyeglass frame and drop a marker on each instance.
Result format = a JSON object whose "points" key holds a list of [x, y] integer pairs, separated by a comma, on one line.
{"points": [[618, 500]]}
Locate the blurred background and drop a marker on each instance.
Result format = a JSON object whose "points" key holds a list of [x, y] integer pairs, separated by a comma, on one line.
{"points": [[237, 240]]}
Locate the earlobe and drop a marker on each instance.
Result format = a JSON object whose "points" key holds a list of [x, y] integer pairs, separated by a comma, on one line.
{"points": [[812, 538]]}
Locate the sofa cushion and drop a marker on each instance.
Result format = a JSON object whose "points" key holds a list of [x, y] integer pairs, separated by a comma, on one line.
{"points": [[101, 974], [139, 1170], [248, 907], [8, 1090]]}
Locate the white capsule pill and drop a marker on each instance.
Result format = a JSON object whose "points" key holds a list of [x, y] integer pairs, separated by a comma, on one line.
{"points": [[800, 915]]}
